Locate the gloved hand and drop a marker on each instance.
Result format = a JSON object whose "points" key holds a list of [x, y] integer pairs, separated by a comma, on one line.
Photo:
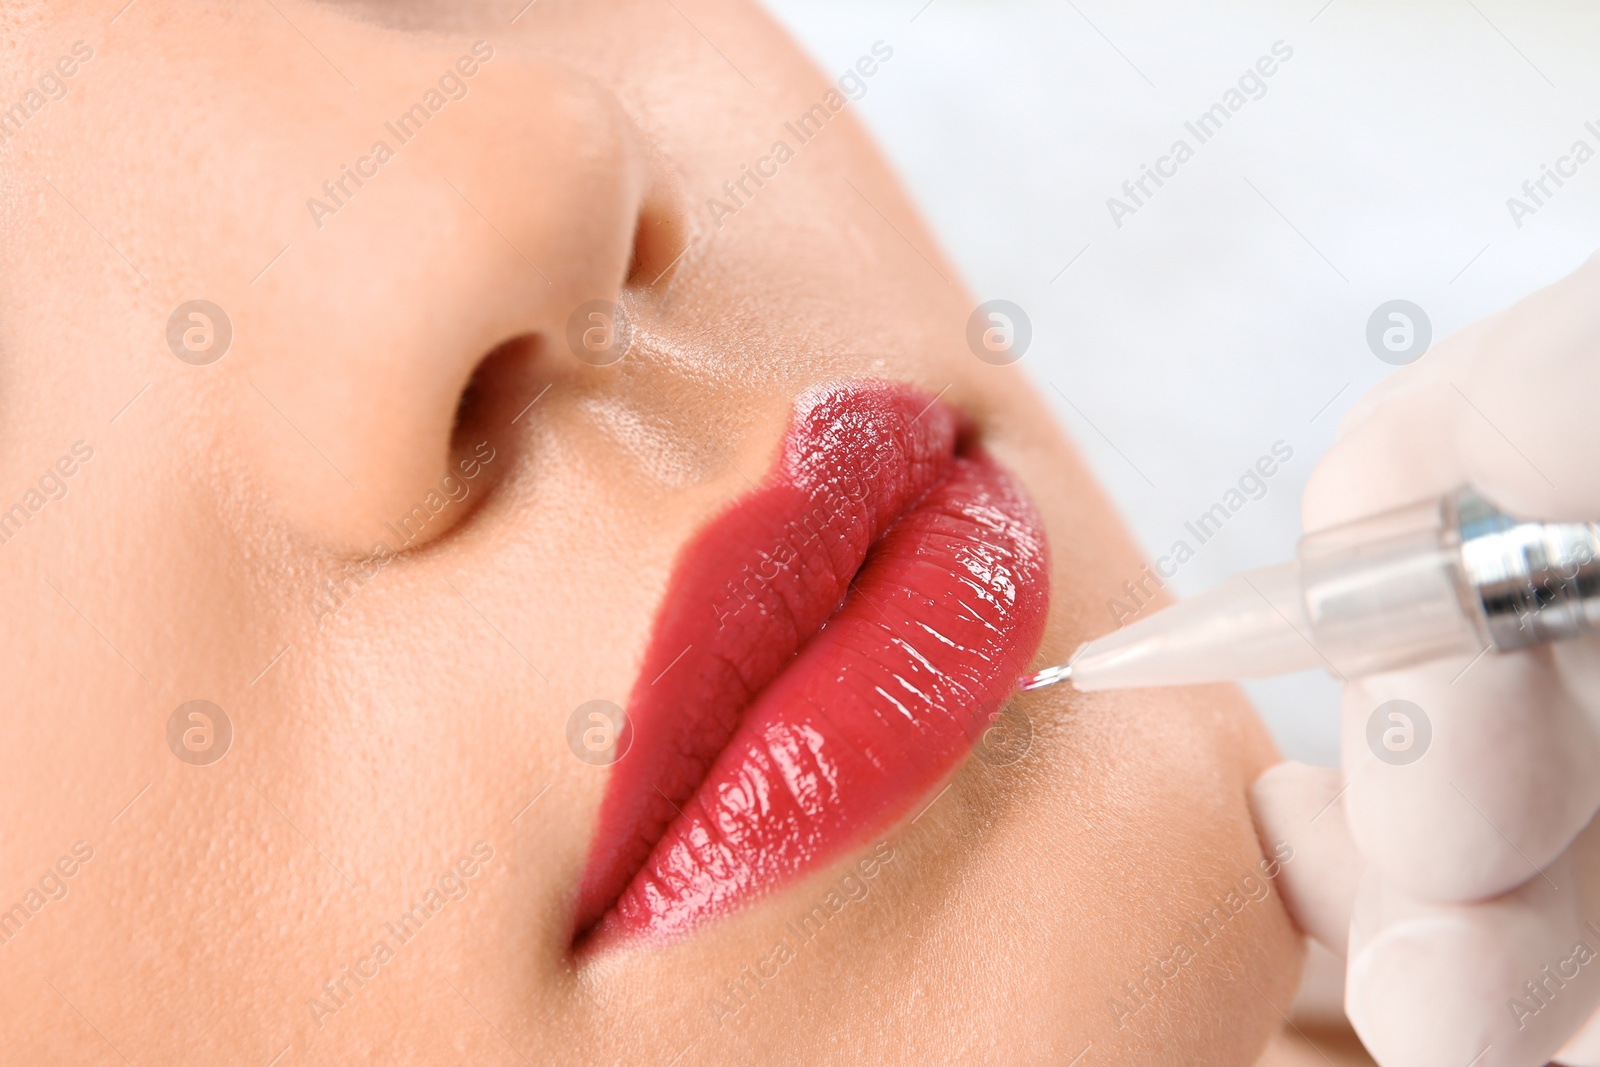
{"points": [[1465, 885]]}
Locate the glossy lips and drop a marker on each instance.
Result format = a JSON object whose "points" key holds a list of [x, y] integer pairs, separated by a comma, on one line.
{"points": [[830, 647]]}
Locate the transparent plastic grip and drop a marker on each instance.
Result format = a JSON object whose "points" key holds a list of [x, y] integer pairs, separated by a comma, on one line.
{"points": [[1389, 591]]}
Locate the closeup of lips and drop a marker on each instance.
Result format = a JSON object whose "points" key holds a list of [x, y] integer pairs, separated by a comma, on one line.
{"points": [[829, 649]]}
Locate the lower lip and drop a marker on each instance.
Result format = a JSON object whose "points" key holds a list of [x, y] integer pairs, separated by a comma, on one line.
{"points": [[829, 649]]}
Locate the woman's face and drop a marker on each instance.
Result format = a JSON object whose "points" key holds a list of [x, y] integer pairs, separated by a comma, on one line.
{"points": [[317, 410]]}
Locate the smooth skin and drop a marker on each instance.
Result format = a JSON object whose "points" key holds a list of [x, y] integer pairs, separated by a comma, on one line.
{"points": [[374, 746]]}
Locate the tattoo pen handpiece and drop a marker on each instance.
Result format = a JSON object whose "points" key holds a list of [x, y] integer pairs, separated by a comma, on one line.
{"points": [[1450, 576]]}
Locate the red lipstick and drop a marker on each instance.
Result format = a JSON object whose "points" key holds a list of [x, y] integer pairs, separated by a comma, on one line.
{"points": [[829, 649]]}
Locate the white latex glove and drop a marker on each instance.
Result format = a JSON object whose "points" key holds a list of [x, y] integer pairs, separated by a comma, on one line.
{"points": [[1475, 869]]}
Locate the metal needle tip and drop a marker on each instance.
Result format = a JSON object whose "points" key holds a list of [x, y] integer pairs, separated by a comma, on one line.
{"points": [[1041, 679]]}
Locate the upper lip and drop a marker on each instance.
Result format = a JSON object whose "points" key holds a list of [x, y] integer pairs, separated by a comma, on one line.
{"points": [[963, 575]]}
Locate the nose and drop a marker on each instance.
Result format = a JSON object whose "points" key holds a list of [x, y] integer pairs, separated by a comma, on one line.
{"points": [[482, 214]]}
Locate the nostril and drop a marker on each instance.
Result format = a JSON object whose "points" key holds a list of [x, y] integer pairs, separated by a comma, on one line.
{"points": [[659, 239], [482, 440], [657, 243]]}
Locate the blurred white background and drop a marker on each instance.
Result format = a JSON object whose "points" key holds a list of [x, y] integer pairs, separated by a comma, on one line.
{"points": [[1230, 310]]}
